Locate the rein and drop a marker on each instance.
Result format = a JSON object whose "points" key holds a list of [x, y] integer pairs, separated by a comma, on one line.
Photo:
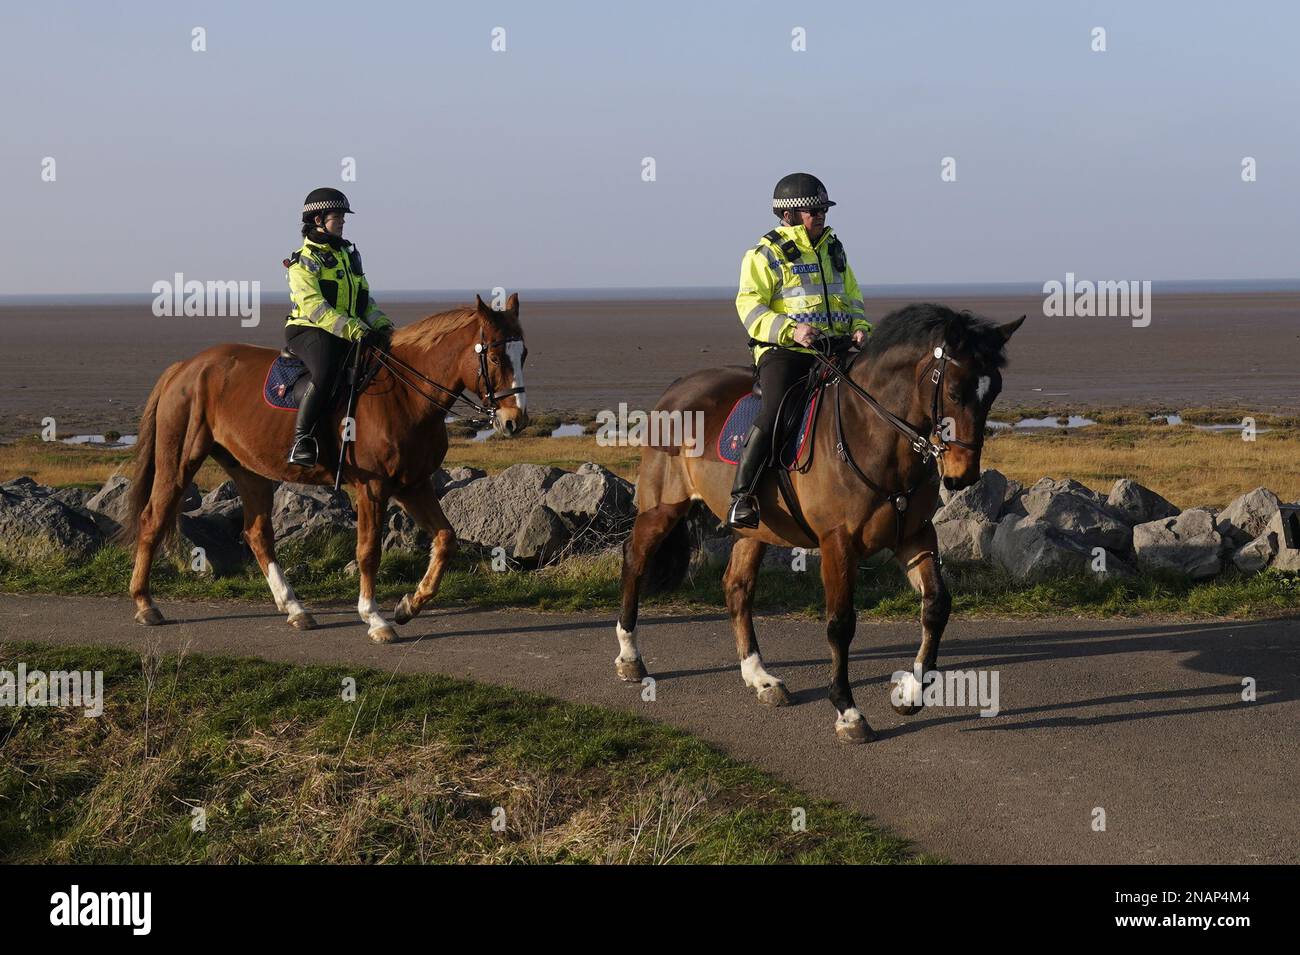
{"points": [[925, 446], [490, 401]]}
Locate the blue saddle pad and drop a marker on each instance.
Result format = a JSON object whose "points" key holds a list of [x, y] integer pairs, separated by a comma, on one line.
{"points": [[742, 416], [279, 390]]}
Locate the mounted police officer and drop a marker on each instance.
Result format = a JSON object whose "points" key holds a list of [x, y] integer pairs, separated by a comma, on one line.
{"points": [[794, 284], [332, 308]]}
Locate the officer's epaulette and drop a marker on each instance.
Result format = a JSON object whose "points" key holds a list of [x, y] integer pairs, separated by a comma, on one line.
{"points": [[307, 260], [787, 246]]}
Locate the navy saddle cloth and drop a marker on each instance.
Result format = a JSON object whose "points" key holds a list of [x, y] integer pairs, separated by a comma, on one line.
{"points": [[742, 416], [286, 380]]}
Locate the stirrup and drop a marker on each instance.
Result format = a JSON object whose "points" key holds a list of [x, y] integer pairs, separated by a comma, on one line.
{"points": [[304, 452], [748, 521]]}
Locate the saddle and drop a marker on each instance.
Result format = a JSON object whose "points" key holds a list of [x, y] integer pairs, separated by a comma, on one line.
{"points": [[286, 380], [795, 424]]}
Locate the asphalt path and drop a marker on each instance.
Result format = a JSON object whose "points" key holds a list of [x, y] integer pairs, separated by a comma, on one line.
{"points": [[1141, 719]]}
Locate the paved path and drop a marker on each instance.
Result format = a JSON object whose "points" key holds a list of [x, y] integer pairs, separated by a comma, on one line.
{"points": [[1142, 718]]}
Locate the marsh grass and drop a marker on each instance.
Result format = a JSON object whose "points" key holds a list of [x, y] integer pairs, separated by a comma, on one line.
{"points": [[416, 770]]}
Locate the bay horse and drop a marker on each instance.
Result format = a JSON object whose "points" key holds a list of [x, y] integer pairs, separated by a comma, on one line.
{"points": [[212, 404], [908, 410]]}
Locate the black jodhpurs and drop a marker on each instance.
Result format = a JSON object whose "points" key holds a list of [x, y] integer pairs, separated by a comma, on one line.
{"points": [[778, 370], [321, 352]]}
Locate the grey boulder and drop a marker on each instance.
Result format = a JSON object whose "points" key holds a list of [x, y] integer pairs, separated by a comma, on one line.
{"points": [[1246, 517], [1138, 504], [1186, 544]]}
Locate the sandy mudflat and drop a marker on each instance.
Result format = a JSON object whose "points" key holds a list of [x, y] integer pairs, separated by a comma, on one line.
{"points": [[91, 368]]}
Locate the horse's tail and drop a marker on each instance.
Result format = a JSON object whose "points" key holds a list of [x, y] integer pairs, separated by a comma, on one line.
{"points": [[143, 462], [666, 566]]}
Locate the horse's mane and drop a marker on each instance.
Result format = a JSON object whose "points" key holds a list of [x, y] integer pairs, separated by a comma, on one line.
{"points": [[925, 325], [430, 330]]}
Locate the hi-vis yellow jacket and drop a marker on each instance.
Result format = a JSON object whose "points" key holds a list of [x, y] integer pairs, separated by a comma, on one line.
{"points": [[784, 281], [330, 291]]}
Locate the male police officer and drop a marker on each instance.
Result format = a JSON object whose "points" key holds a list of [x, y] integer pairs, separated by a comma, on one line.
{"points": [[794, 284]]}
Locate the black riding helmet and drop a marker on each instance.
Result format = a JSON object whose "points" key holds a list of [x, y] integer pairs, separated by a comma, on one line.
{"points": [[323, 200], [799, 190]]}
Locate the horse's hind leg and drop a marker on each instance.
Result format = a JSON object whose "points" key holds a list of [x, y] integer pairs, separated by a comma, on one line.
{"points": [[371, 501], [649, 531], [919, 558], [738, 582], [256, 494], [421, 502], [839, 571], [179, 450]]}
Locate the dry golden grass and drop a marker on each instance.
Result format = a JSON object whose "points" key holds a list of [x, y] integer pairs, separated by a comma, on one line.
{"points": [[1187, 466]]}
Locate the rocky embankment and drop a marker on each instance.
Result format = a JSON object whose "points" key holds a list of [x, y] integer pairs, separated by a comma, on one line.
{"points": [[534, 515]]}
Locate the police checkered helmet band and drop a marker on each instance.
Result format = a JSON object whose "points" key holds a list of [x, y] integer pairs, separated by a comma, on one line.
{"points": [[803, 202], [325, 204]]}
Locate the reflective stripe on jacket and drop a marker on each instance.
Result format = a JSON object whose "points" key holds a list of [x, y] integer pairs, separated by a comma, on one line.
{"points": [[776, 294], [329, 291]]}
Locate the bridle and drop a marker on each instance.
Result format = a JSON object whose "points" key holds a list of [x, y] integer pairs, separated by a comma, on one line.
{"points": [[928, 447], [490, 398]]}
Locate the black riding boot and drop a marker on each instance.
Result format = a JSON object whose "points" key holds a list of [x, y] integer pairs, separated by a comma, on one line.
{"points": [[305, 449], [744, 504]]}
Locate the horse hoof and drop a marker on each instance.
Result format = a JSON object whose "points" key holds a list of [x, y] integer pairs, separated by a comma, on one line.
{"points": [[150, 616], [774, 695], [302, 621], [402, 612], [630, 671], [384, 634], [905, 709], [855, 732]]}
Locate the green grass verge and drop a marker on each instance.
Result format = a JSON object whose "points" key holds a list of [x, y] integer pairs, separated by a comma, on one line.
{"points": [[316, 569], [415, 769]]}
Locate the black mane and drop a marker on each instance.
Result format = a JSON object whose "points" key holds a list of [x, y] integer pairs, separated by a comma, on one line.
{"points": [[925, 325]]}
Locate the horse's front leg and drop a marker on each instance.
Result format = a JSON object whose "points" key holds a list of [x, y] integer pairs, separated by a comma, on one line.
{"points": [[371, 503], [738, 582], [421, 502], [919, 558], [839, 570]]}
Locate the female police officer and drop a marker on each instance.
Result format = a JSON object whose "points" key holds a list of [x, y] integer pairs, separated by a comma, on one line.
{"points": [[331, 308], [795, 283]]}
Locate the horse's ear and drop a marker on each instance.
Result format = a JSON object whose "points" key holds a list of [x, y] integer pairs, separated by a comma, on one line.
{"points": [[1009, 329], [512, 303], [479, 306]]}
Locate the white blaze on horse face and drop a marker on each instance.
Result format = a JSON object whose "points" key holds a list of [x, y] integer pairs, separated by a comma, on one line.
{"points": [[516, 352], [982, 391]]}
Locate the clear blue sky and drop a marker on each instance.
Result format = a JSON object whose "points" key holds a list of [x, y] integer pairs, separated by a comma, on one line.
{"points": [[523, 169]]}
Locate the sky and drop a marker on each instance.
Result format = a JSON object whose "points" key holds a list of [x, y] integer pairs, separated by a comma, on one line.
{"points": [[524, 168]]}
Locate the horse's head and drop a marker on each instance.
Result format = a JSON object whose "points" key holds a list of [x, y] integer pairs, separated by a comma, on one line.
{"points": [[956, 359], [963, 374], [497, 364]]}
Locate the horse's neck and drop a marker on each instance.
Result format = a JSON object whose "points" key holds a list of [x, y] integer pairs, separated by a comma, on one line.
{"points": [[875, 443], [440, 365]]}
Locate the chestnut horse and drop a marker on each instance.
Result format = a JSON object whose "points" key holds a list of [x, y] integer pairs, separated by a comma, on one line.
{"points": [[212, 405], [906, 411]]}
